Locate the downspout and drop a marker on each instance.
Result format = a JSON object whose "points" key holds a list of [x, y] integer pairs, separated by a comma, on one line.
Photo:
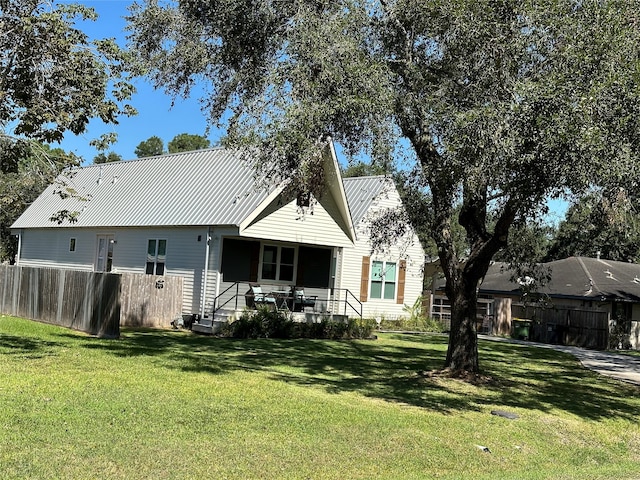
{"points": [[19, 247], [206, 273]]}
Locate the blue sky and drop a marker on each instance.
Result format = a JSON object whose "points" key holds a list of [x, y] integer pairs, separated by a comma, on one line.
{"points": [[156, 116]]}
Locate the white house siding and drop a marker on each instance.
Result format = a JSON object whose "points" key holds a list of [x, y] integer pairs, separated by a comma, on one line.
{"points": [[185, 254], [285, 223], [408, 249], [50, 248]]}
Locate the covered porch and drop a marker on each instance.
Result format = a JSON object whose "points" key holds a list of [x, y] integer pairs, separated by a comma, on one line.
{"points": [[301, 280]]}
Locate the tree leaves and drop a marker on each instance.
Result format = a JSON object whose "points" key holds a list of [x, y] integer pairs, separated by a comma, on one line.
{"points": [[52, 78]]}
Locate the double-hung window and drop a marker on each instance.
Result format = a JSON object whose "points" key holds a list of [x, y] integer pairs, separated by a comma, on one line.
{"points": [[278, 263], [383, 280], [156, 256]]}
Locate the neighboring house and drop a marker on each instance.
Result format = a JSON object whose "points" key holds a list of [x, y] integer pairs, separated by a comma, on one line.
{"points": [[586, 301], [199, 215]]}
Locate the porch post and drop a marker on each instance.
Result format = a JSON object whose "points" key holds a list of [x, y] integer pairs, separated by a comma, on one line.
{"points": [[218, 265], [206, 273]]}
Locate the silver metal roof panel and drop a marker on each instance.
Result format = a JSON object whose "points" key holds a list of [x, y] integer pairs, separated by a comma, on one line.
{"points": [[204, 187], [361, 192]]}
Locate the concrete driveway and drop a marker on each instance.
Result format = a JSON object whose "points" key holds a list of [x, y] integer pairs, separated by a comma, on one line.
{"points": [[621, 367]]}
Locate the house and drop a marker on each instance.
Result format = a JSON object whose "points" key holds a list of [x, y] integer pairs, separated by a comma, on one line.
{"points": [[584, 301], [200, 216], [384, 281]]}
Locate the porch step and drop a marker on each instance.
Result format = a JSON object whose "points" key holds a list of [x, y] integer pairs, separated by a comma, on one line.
{"points": [[202, 328], [207, 326], [204, 321]]}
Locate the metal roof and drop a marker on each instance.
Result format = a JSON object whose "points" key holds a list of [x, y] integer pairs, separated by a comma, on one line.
{"points": [[361, 192], [204, 187]]}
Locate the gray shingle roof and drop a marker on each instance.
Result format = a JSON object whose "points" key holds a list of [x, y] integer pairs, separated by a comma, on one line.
{"points": [[576, 277], [361, 192], [205, 187]]}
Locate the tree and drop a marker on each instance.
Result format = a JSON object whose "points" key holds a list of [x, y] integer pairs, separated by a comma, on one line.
{"points": [[150, 147], [362, 169], [186, 142], [600, 223], [18, 189], [494, 106], [107, 157], [53, 79]]}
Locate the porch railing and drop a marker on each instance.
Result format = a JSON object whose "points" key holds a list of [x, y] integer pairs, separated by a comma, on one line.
{"points": [[231, 297], [352, 302], [216, 301]]}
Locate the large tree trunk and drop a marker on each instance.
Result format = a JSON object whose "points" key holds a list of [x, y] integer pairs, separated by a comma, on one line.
{"points": [[462, 353]]}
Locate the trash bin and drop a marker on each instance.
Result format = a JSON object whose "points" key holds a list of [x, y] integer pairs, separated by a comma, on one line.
{"points": [[520, 328]]}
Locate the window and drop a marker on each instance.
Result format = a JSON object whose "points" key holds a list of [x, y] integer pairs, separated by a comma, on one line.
{"points": [[278, 263], [383, 280], [156, 256], [72, 245]]}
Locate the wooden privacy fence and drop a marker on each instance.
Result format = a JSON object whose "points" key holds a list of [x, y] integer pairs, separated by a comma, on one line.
{"points": [[150, 300], [85, 301], [96, 303], [567, 326]]}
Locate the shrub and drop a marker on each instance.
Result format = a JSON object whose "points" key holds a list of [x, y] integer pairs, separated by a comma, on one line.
{"points": [[361, 327], [405, 324], [266, 323], [263, 323], [415, 321]]}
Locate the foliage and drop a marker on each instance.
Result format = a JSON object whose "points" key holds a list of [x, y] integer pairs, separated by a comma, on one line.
{"points": [[529, 243], [36, 170], [107, 158], [416, 320], [492, 106], [605, 223], [362, 169], [53, 79], [264, 323], [619, 338], [150, 147], [186, 142], [135, 408], [269, 323], [183, 142], [412, 324]]}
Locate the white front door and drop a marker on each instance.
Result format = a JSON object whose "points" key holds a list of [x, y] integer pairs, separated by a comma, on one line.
{"points": [[104, 253]]}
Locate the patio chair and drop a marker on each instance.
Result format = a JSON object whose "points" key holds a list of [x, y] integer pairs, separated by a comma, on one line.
{"points": [[302, 301], [259, 298]]}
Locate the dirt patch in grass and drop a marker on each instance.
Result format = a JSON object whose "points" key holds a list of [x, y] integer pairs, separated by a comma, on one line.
{"points": [[472, 378]]}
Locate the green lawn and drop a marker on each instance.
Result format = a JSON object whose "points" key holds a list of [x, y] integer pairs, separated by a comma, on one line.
{"points": [[169, 404], [634, 353]]}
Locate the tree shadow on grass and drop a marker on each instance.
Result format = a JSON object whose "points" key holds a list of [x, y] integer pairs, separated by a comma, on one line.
{"points": [[27, 348], [561, 382], [520, 377]]}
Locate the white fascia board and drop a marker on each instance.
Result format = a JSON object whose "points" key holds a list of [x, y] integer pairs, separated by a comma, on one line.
{"points": [[259, 209], [337, 190]]}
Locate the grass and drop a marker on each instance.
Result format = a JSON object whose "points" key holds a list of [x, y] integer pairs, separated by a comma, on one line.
{"points": [[169, 404], [633, 353]]}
